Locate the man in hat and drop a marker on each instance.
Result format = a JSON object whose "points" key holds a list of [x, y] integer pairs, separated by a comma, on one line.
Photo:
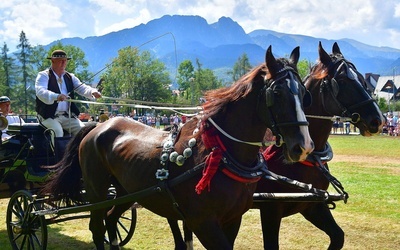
{"points": [[53, 87], [5, 110]]}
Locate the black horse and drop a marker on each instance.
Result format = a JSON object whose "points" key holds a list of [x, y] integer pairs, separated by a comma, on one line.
{"points": [[337, 89]]}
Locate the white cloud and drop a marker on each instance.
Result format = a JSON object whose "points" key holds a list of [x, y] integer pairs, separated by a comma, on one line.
{"points": [[24, 16], [370, 21]]}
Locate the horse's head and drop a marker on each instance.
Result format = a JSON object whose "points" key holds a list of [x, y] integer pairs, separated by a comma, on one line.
{"points": [[344, 93], [281, 105]]}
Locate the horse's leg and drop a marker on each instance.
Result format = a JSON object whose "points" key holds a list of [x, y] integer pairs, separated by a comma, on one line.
{"points": [[96, 226], [188, 236], [114, 214], [96, 191], [320, 215], [176, 232], [210, 234], [231, 230], [271, 218]]}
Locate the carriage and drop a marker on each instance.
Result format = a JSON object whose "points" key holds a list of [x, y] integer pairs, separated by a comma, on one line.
{"points": [[22, 176], [28, 214]]}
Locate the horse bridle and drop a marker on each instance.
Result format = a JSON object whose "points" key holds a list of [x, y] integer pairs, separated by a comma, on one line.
{"points": [[333, 89], [269, 99], [267, 89]]}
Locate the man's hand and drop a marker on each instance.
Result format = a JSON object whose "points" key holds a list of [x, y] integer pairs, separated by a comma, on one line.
{"points": [[61, 97], [96, 94]]}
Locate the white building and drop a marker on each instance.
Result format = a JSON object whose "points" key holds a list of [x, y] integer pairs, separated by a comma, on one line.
{"points": [[387, 87]]}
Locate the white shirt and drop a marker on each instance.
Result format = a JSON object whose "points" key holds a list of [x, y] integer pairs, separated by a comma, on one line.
{"points": [[49, 97]]}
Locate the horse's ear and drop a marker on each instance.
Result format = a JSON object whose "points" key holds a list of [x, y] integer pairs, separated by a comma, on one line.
{"points": [[336, 49], [271, 62], [323, 56], [295, 55]]}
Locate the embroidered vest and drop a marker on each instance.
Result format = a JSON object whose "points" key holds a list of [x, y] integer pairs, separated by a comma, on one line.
{"points": [[48, 111]]}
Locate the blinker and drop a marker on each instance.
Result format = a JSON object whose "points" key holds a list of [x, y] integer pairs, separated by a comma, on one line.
{"points": [[293, 87]]}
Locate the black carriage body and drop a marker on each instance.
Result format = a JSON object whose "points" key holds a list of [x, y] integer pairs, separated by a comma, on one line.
{"points": [[22, 158]]}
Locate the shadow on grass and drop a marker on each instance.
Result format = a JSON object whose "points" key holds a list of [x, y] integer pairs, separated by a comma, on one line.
{"points": [[55, 241]]}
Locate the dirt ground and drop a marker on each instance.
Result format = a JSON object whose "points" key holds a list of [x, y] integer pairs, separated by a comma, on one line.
{"points": [[366, 159]]}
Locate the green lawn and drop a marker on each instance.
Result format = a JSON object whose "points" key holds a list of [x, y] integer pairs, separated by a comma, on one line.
{"points": [[368, 168]]}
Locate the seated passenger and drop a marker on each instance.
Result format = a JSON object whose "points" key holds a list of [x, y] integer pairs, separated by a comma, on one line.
{"points": [[5, 110]]}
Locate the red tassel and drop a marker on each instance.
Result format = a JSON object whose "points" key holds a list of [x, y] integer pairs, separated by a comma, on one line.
{"points": [[212, 141], [210, 169]]}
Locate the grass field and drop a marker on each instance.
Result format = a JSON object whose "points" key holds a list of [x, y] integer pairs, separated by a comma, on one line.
{"points": [[368, 168]]}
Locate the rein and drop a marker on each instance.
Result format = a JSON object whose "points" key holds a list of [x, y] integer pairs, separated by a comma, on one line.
{"points": [[257, 144], [198, 108]]}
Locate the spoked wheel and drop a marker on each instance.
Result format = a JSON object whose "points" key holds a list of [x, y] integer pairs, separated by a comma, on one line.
{"points": [[125, 227], [25, 230]]}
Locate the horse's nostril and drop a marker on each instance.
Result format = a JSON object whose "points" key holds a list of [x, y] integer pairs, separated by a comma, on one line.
{"points": [[297, 149], [375, 124]]}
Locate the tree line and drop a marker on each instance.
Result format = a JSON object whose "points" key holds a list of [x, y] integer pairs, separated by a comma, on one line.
{"points": [[133, 74]]}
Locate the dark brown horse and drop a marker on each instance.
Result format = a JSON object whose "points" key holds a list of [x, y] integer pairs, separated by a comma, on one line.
{"points": [[223, 143], [337, 89]]}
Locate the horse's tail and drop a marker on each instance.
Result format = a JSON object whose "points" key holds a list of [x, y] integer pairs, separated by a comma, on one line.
{"points": [[65, 181]]}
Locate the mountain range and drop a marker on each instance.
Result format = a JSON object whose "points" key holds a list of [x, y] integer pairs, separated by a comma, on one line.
{"points": [[173, 39]]}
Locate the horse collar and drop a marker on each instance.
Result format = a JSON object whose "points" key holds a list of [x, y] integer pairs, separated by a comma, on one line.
{"points": [[319, 156], [242, 173]]}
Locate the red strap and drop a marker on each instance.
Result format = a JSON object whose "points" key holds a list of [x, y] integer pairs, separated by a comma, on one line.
{"points": [[210, 169], [239, 178], [212, 141]]}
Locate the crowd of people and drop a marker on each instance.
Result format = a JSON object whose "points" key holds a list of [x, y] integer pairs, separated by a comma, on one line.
{"points": [[155, 121], [341, 127], [391, 128]]}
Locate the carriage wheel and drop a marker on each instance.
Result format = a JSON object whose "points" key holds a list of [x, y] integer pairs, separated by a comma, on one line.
{"points": [[125, 227], [25, 230]]}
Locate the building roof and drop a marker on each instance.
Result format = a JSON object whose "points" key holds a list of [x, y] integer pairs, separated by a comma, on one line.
{"points": [[387, 86]]}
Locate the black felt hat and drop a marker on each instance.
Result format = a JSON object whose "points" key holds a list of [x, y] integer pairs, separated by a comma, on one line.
{"points": [[59, 54]]}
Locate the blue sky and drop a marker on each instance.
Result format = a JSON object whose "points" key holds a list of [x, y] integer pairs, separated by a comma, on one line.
{"points": [[373, 22]]}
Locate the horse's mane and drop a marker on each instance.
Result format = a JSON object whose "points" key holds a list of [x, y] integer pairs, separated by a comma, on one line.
{"points": [[320, 71], [217, 99]]}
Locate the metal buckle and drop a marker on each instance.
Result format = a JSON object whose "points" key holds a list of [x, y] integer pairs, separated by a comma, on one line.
{"points": [[162, 174]]}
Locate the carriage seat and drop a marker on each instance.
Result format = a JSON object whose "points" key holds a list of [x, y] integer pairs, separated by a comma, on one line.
{"points": [[26, 129]]}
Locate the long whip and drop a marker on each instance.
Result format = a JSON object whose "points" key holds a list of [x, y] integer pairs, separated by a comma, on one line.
{"points": [[153, 39]]}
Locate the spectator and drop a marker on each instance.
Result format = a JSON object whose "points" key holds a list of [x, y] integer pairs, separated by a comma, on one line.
{"points": [[158, 122], [347, 127], [103, 117], [5, 110], [164, 120], [336, 124], [183, 119]]}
